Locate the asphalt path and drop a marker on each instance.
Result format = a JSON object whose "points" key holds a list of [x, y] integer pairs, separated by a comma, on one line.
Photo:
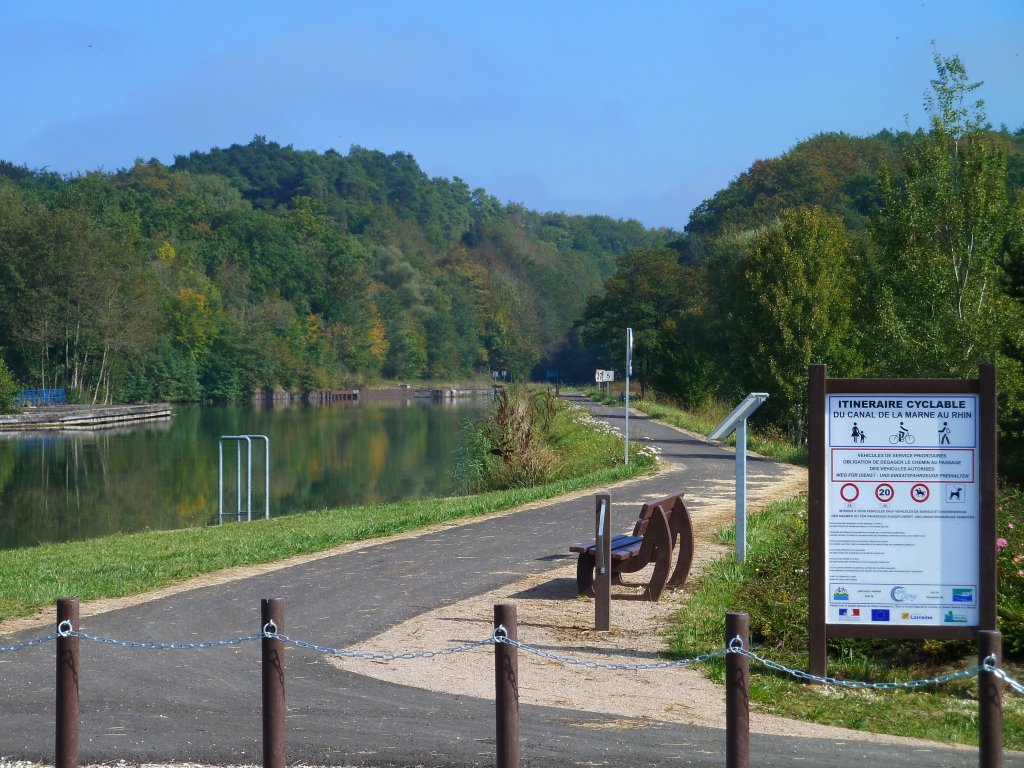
{"points": [[203, 706]]}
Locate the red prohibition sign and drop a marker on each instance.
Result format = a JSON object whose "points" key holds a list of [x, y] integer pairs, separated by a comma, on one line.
{"points": [[849, 492], [920, 493], [884, 492]]}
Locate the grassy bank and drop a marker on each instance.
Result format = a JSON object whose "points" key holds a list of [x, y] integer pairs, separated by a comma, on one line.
{"points": [[115, 566], [765, 442]]}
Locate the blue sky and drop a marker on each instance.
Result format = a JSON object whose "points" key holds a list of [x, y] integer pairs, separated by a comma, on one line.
{"points": [[633, 110]]}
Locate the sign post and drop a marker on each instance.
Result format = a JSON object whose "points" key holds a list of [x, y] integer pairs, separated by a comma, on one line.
{"points": [[737, 420], [901, 508], [629, 372]]}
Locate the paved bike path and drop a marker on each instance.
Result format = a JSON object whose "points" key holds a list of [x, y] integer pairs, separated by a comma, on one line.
{"points": [[204, 705]]}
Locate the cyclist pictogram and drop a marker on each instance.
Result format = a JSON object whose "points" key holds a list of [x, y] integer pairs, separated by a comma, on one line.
{"points": [[903, 436]]}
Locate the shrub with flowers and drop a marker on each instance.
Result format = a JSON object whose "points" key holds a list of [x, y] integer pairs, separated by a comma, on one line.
{"points": [[1010, 569]]}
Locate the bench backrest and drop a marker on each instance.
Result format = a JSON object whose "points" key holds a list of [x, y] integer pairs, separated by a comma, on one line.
{"points": [[668, 505]]}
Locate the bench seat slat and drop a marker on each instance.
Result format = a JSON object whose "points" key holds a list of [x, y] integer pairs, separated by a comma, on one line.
{"points": [[590, 547]]}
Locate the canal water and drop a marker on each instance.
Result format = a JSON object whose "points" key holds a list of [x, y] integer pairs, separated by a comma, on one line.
{"points": [[164, 475]]}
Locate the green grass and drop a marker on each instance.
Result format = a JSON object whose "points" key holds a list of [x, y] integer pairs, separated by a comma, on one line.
{"points": [[114, 566], [771, 586]]}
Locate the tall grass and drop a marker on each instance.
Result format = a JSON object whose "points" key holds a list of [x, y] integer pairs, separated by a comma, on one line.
{"points": [[531, 437]]}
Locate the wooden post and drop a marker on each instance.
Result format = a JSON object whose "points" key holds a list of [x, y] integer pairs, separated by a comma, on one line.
{"points": [[816, 634], [272, 610], [506, 689], [990, 704], [66, 723], [737, 701], [603, 562]]}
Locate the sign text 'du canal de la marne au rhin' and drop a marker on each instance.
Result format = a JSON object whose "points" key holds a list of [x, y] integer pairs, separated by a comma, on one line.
{"points": [[902, 499]]}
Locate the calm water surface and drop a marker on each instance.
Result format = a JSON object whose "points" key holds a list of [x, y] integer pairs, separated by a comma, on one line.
{"points": [[66, 486]]}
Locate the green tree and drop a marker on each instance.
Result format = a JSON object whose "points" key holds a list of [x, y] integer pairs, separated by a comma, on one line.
{"points": [[8, 387], [794, 304], [648, 294], [942, 236]]}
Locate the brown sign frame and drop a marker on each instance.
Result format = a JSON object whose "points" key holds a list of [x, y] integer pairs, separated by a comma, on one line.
{"points": [[820, 388]]}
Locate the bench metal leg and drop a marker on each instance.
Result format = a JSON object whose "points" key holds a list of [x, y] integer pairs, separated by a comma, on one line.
{"points": [[682, 527], [585, 574]]}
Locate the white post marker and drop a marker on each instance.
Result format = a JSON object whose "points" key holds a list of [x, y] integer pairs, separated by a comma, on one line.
{"points": [[737, 420], [629, 372]]}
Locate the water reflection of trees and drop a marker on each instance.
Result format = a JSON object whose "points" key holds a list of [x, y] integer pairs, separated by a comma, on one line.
{"points": [[56, 486]]}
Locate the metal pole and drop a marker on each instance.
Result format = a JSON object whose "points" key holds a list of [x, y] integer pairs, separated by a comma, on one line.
{"points": [[66, 723], [266, 479], [220, 481], [741, 491], [272, 610], [238, 479], [990, 703], [603, 563], [506, 689], [629, 372], [737, 701], [248, 480]]}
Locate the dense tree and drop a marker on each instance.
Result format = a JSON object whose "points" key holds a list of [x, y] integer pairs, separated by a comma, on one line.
{"points": [[793, 307], [262, 266], [647, 293], [942, 235]]}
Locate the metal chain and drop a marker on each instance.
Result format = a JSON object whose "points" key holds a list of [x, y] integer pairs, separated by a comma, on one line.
{"points": [[369, 656], [500, 636], [736, 646], [28, 644], [161, 646], [989, 666]]}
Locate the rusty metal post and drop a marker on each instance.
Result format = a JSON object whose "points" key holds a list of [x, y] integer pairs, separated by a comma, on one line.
{"points": [[990, 703], [737, 701], [272, 610], [603, 562], [506, 688], [66, 723]]}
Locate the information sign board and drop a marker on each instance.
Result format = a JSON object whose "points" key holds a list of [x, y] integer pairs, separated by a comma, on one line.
{"points": [[902, 509]]}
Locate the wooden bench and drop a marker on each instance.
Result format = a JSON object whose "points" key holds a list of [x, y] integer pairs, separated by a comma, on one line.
{"points": [[661, 527]]}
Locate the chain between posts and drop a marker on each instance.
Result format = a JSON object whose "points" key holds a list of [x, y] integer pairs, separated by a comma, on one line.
{"points": [[29, 643], [500, 635]]}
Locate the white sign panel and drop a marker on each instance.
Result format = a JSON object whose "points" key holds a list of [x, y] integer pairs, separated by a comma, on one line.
{"points": [[902, 510]]}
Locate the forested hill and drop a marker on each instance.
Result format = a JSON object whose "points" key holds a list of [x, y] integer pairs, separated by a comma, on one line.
{"points": [[834, 171], [266, 266]]}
